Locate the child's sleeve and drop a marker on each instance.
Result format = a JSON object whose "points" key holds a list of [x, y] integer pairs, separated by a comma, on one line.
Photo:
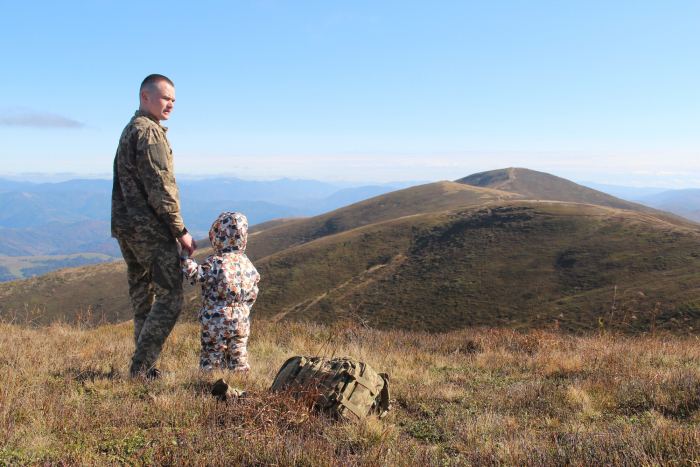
{"points": [[193, 272], [254, 277]]}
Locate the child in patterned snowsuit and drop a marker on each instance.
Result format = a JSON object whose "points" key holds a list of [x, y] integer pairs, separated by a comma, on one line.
{"points": [[229, 289]]}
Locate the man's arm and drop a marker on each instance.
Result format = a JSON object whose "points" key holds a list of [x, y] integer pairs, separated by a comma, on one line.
{"points": [[156, 171]]}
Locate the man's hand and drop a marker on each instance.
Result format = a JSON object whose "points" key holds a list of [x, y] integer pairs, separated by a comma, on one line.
{"points": [[188, 244]]}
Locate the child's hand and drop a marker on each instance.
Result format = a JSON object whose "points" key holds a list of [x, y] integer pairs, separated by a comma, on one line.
{"points": [[184, 254]]}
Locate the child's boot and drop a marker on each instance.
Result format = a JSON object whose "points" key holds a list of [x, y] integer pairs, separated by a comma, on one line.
{"points": [[223, 391]]}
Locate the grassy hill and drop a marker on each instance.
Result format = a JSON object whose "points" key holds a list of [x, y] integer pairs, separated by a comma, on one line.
{"points": [[530, 184], [433, 197], [518, 264], [64, 292], [446, 255], [471, 397], [270, 224]]}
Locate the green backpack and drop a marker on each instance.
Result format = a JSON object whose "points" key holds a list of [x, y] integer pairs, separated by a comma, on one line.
{"points": [[343, 386]]}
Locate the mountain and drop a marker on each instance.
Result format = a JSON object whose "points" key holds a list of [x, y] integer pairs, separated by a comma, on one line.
{"points": [[448, 255], [350, 196], [517, 264], [684, 202], [199, 215], [530, 184], [257, 228], [65, 291], [72, 203], [624, 192], [11, 185], [56, 218], [100, 288], [433, 197], [61, 294], [30, 209], [59, 238]]}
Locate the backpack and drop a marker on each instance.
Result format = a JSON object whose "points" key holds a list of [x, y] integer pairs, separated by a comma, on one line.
{"points": [[343, 386]]}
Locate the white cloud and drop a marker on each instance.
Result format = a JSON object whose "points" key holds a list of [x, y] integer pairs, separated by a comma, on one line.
{"points": [[30, 118]]}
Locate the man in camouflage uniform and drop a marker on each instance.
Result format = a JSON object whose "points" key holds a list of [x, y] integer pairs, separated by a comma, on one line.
{"points": [[147, 224]]}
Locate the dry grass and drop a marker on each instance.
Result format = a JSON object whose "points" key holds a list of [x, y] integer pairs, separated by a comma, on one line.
{"points": [[472, 397]]}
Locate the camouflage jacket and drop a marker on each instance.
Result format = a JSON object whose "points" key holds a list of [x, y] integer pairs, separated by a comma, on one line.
{"points": [[145, 199], [228, 278]]}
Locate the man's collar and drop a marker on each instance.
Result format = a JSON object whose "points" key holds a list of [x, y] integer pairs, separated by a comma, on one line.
{"points": [[143, 113]]}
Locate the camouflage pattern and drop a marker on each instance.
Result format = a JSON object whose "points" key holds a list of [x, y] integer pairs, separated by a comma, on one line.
{"points": [[225, 340], [155, 288], [146, 221], [342, 386], [145, 198], [229, 289]]}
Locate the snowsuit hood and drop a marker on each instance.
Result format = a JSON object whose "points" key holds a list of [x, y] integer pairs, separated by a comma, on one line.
{"points": [[229, 233]]}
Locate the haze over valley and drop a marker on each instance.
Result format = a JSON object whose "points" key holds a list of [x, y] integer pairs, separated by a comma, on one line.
{"points": [[43, 222]]}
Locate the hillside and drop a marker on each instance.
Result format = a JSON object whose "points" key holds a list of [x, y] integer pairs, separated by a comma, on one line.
{"points": [[257, 228], [479, 397], [65, 293], [441, 256], [517, 264], [433, 197], [60, 288], [530, 184]]}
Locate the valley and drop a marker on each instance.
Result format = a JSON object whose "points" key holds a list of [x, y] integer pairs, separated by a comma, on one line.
{"points": [[20, 267]]}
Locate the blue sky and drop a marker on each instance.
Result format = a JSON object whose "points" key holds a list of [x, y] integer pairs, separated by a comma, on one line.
{"points": [[361, 90]]}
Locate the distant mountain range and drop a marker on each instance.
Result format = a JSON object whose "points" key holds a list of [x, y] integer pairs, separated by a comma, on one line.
{"points": [[73, 216], [684, 202], [624, 192], [510, 247]]}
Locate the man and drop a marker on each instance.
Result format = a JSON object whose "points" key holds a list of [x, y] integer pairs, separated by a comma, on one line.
{"points": [[147, 224]]}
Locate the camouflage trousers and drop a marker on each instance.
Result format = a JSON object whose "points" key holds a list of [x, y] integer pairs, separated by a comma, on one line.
{"points": [[155, 288], [224, 339]]}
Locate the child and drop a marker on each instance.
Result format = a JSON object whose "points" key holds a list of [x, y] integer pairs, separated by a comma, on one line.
{"points": [[229, 289]]}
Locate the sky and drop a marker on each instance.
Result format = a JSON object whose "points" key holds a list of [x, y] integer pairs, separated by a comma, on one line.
{"points": [[600, 91]]}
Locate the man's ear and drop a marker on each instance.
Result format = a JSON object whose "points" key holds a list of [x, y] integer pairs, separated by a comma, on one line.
{"points": [[144, 96]]}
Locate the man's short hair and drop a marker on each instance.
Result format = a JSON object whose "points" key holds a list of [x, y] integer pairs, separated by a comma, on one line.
{"points": [[152, 80]]}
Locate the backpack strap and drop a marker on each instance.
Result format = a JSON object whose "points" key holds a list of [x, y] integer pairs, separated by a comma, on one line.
{"points": [[384, 404], [353, 373], [342, 400], [366, 383]]}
